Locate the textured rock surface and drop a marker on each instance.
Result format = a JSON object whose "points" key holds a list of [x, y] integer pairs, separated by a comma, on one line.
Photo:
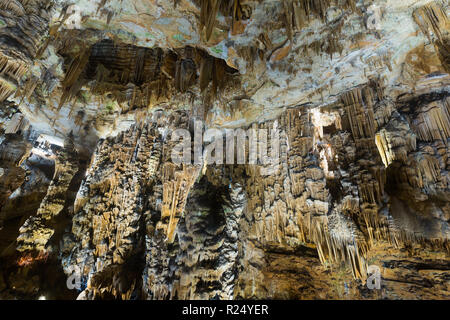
{"points": [[91, 93]]}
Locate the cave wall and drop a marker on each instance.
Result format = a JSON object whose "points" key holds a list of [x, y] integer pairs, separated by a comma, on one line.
{"points": [[93, 205]]}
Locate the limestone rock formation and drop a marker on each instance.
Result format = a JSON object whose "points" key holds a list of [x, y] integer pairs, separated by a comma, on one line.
{"points": [[334, 117]]}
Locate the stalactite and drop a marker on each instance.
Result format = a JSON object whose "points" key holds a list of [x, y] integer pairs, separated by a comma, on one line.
{"points": [[27, 31], [142, 77], [428, 169], [210, 8], [206, 68], [29, 258], [17, 124], [184, 74], [177, 185], [431, 16], [358, 103], [395, 145], [298, 12], [127, 171], [433, 121], [28, 89], [12, 69], [72, 81], [378, 227], [432, 20], [14, 6], [340, 244], [351, 158], [6, 89]]}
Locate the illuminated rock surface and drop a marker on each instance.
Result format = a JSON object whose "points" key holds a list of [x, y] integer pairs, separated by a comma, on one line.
{"points": [[91, 92]]}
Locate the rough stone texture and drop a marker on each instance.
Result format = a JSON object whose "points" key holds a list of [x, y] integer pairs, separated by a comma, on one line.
{"points": [[92, 91], [36, 232]]}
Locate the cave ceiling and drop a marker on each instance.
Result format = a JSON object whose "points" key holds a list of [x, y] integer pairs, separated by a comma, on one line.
{"points": [[359, 91]]}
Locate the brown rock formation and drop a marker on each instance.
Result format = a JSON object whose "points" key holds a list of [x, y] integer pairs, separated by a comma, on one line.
{"points": [[92, 94]]}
